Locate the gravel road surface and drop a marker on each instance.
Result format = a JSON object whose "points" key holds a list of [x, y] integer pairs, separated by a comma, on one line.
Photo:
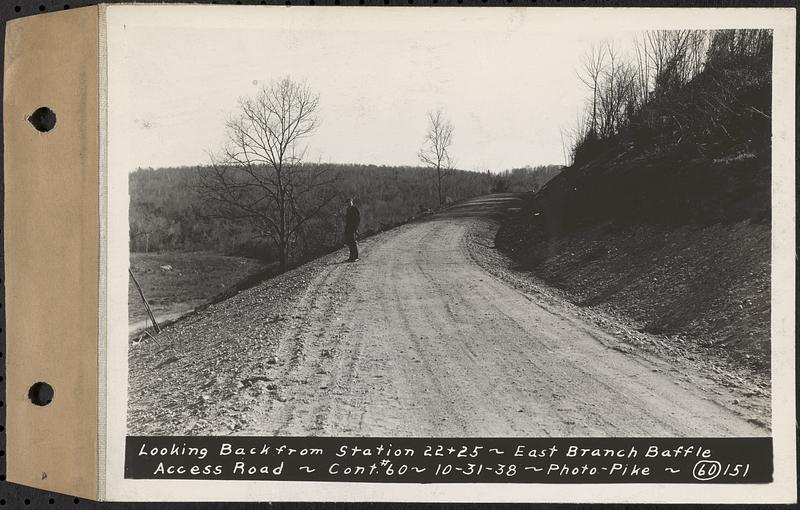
{"points": [[418, 338]]}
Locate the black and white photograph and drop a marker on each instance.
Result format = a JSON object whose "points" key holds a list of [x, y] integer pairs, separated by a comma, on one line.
{"points": [[449, 254], [401, 251], [445, 224]]}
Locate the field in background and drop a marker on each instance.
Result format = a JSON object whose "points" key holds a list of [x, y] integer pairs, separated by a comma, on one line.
{"points": [[175, 283]]}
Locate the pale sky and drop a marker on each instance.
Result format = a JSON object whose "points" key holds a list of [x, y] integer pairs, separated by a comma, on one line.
{"points": [[505, 77]]}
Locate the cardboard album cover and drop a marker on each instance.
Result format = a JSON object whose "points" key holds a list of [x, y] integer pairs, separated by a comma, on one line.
{"points": [[328, 253]]}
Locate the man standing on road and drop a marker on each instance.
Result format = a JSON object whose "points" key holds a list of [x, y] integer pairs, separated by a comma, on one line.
{"points": [[352, 220]]}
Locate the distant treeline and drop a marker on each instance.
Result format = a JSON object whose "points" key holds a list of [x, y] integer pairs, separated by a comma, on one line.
{"points": [[167, 212], [524, 179]]}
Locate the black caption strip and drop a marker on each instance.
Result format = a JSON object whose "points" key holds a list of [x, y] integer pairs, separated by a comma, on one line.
{"points": [[450, 460]]}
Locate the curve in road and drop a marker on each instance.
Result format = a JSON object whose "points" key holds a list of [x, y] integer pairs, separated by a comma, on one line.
{"points": [[417, 339]]}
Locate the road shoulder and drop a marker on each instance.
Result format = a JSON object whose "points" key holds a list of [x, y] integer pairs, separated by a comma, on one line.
{"points": [[741, 391]]}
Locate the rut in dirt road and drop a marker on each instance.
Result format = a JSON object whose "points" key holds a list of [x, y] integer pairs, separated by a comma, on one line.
{"points": [[417, 339]]}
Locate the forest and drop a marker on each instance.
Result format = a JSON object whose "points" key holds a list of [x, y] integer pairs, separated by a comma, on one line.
{"points": [[169, 212], [698, 91]]}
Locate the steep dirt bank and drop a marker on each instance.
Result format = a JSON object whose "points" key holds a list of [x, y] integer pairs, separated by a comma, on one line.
{"points": [[751, 387], [676, 248]]}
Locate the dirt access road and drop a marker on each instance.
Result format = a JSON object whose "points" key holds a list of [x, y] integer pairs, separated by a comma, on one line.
{"points": [[419, 339]]}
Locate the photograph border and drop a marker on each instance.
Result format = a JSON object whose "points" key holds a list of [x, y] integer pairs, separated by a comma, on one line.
{"points": [[114, 379]]}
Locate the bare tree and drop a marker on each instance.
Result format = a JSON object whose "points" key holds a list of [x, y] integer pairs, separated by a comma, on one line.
{"points": [[675, 56], [643, 76], [728, 44], [578, 135], [258, 176], [435, 151], [589, 74], [636, 89], [609, 92], [150, 228], [566, 145]]}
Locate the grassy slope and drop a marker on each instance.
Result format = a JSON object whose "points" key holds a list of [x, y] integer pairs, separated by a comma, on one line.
{"points": [[680, 247], [195, 279]]}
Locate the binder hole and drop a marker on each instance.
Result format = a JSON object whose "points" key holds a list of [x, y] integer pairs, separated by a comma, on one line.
{"points": [[41, 8], [17, 8], [51, 501], [27, 501], [41, 394], [76, 501], [43, 119], [2, 501]]}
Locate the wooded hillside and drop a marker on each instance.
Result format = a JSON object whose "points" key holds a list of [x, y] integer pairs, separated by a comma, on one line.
{"points": [[664, 216], [168, 212]]}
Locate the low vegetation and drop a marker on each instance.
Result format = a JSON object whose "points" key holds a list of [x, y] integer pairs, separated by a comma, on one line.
{"points": [[176, 283]]}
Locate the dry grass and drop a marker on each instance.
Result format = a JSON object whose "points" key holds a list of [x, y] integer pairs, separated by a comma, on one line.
{"points": [[177, 282]]}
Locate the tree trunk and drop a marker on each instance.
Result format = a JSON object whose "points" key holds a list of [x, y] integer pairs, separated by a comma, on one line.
{"points": [[283, 245], [439, 186], [282, 256]]}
